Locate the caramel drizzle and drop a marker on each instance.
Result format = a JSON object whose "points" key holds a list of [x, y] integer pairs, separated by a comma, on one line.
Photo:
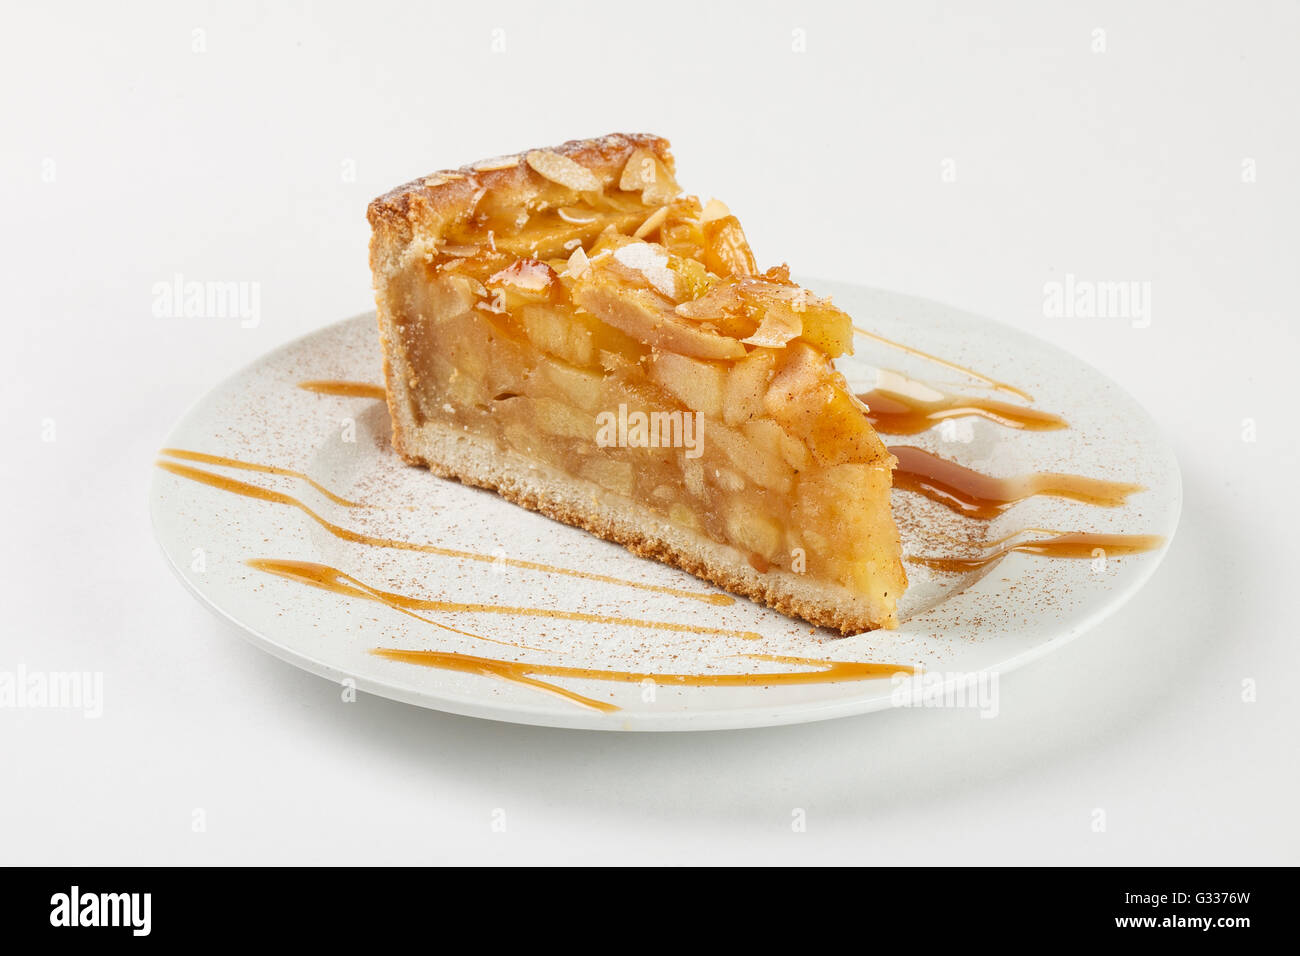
{"points": [[1069, 545], [899, 405], [994, 383], [253, 466], [345, 389], [520, 672], [305, 571], [276, 497], [976, 495], [332, 579]]}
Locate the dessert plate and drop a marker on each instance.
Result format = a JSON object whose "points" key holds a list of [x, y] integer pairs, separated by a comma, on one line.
{"points": [[279, 502]]}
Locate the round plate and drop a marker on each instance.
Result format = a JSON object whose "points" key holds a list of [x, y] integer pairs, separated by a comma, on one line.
{"points": [[256, 546]]}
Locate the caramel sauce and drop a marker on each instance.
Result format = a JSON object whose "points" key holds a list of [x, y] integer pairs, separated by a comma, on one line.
{"points": [[332, 579], [304, 571], [992, 382], [902, 406], [346, 389], [827, 672], [976, 495], [276, 497], [1067, 545], [252, 466], [510, 671]]}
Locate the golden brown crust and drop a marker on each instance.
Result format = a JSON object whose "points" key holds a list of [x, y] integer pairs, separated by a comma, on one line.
{"points": [[442, 197]]}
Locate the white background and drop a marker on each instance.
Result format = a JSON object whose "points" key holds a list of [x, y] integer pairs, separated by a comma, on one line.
{"points": [[230, 164]]}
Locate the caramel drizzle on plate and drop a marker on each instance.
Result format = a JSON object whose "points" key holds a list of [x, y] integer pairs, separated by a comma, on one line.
{"points": [[978, 376], [332, 579], [519, 672], [253, 466], [899, 405], [1068, 545], [826, 672], [346, 389], [976, 495], [259, 493]]}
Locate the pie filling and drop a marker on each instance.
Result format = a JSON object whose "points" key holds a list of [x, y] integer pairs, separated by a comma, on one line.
{"points": [[621, 333]]}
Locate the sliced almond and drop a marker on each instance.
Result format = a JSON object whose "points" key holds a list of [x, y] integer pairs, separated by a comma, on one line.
{"points": [[526, 274], [780, 325], [562, 170], [576, 215], [653, 222], [496, 162], [640, 170], [646, 316], [579, 265], [714, 209], [652, 262], [644, 172]]}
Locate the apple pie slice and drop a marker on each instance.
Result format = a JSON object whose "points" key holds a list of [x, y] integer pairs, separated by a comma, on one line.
{"points": [[568, 329]]}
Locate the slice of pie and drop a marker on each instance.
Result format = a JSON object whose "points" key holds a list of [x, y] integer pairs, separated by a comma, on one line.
{"points": [[568, 329]]}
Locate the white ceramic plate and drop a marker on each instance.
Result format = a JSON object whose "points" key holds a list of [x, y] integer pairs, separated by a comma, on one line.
{"points": [[955, 628]]}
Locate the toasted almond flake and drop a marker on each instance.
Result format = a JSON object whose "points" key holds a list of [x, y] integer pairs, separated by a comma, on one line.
{"points": [[496, 162], [441, 179], [476, 198], [639, 171], [562, 170], [576, 215], [778, 327], [714, 209], [460, 252], [653, 222], [579, 265], [526, 274], [652, 262]]}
